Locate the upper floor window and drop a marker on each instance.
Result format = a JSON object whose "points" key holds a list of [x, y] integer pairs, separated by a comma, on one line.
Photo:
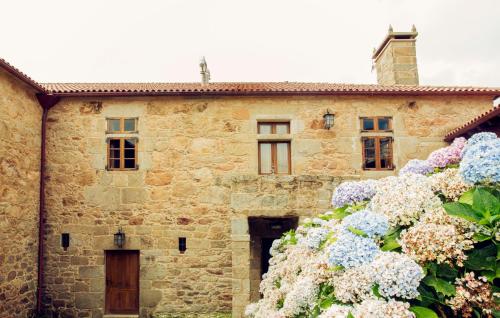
{"points": [[274, 128], [274, 154], [122, 150], [376, 124], [122, 125]]}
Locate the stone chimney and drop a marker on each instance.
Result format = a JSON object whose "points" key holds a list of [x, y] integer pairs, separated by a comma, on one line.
{"points": [[205, 73], [396, 60]]}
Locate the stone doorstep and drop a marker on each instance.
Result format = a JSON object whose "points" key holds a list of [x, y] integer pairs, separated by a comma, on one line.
{"points": [[120, 316]]}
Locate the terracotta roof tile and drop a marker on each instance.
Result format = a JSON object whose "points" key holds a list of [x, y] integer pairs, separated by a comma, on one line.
{"points": [[246, 88], [239, 88], [476, 121]]}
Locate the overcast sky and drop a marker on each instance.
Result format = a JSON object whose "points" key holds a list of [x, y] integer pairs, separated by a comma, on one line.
{"points": [[252, 40]]}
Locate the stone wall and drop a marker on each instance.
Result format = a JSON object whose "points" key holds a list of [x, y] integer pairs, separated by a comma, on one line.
{"points": [[20, 124], [197, 178]]}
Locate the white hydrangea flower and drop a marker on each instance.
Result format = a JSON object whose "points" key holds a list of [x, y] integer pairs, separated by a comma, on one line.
{"points": [[376, 308], [301, 297], [450, 183], [403, 199], [354, 284], [336, 311]]}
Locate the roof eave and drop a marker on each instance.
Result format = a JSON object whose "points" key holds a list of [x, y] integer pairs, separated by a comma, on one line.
{"points": [[270, 93], [21, 76], [471, 124]]}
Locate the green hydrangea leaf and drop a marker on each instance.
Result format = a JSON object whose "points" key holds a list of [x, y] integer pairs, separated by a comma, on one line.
{"points": [[482, 258], [339, 213], [485, 202], [390, 244], [466, 197], [463, 211], [376, 291], [440, 285], [422, 312], [357, 232]]}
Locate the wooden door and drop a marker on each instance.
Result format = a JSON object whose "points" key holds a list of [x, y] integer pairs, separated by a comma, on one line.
{"points": [[122, 282]]}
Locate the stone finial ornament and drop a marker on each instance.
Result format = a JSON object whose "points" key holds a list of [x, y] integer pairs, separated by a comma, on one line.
{"points": [[390, 28], [413, 28], [204, 71]]}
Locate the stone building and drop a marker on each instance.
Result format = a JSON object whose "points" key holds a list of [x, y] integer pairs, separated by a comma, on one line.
{"points": [[197, 178]]}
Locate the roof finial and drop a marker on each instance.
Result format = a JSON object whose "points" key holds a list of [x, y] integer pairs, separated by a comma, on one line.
{"points": [[390, 29], [204, 71], [413, 28]]}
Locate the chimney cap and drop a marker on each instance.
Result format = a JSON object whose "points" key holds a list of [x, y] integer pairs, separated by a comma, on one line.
{"points": [[395, 35]]}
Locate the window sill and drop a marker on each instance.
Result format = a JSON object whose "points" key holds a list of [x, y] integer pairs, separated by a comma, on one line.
{"points": [[274, 137], [122, 170]]}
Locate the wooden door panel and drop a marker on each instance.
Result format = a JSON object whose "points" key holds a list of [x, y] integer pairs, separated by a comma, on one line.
{"points": [[122, 282]]}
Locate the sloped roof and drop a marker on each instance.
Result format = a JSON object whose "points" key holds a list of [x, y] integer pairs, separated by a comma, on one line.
{"points": [[240, 88], [20, 75], [473, 123], [248, 88]]}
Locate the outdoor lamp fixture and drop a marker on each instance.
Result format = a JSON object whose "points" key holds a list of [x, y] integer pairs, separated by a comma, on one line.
{"points": [[119, 238], [328, 119]]}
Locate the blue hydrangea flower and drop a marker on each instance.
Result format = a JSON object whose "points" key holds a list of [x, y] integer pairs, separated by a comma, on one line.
{"points": [[369, 222], [352, 192], [397, 275], [481, 162], [315, 236], [351, 250], [476, 139], [417, 166]]}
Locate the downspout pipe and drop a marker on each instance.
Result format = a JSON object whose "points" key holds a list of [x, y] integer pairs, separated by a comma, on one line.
{"points": [[46, 101]]}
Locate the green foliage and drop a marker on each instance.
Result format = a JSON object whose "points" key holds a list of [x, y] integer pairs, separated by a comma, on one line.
{"points": [[338, 214], [330, 239], [289, 238], [391, 240], [482, 258], [437, 285], [280, 303], [375, 290], [480, 205], [357, 232], [326, 298], [422, 312], [440, 285]]}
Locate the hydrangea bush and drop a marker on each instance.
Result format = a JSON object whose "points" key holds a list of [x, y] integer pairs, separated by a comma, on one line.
{"points": [[424, 244]]}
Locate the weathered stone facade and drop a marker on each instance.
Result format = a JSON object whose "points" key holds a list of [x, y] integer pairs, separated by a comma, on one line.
{"points": [[198, 179], [20, 122]]}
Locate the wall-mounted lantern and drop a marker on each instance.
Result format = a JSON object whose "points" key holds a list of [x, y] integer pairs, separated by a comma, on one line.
{"points": [[119, 238], [65, 241], [328, 119]]}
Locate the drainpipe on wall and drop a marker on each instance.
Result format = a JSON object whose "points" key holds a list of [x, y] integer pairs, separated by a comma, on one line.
{"points": [[46, 101]]}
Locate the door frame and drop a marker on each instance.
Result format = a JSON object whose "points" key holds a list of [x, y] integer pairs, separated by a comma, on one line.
{"points": [[138, 253]]}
